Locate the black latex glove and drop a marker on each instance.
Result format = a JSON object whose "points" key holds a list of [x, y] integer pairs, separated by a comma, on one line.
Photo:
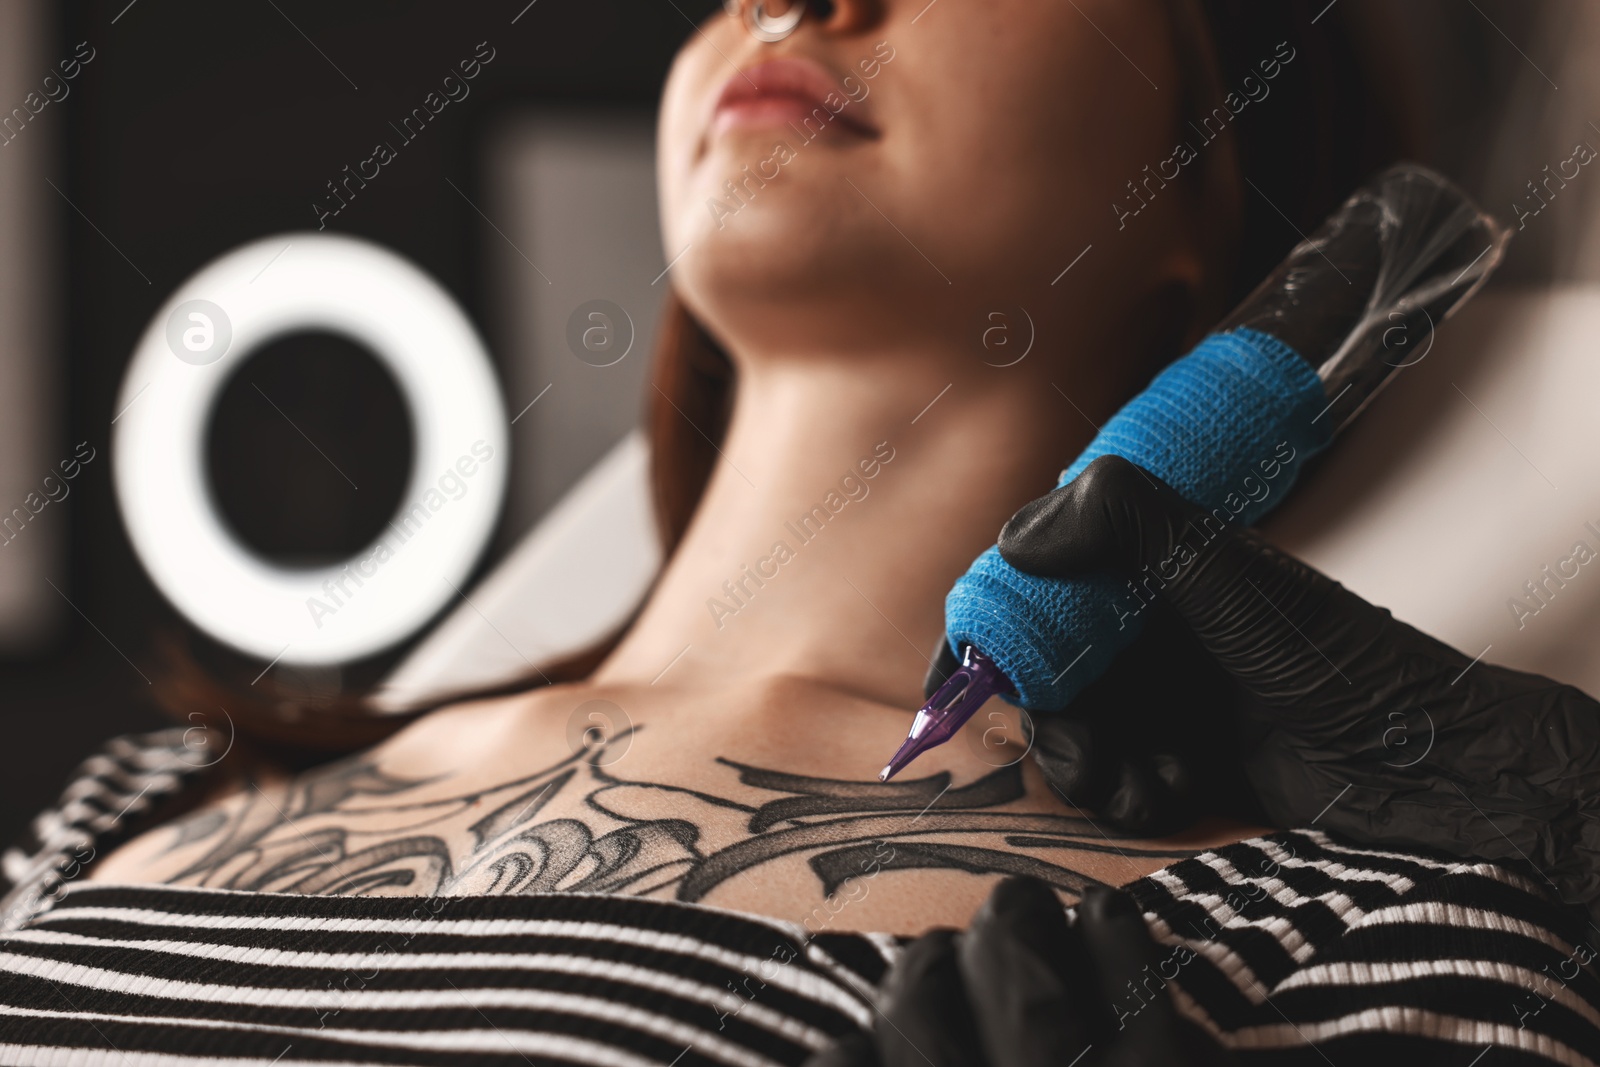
{"points": [[1151, 743], [1339, 714], [1022, 988]]}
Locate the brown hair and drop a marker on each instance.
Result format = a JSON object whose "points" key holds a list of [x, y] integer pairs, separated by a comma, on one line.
{"points": [[1300, 150], [687, 413]]}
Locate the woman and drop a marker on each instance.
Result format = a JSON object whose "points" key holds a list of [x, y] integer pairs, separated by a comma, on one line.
{"points": [[842, 328], [867, 218]]}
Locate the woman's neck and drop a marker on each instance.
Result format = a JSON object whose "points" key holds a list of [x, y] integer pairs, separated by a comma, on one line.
{"points": [[849, 496]]}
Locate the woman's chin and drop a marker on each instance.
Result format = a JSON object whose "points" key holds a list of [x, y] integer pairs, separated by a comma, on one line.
{"points": [[792, 224], [746, 168]]}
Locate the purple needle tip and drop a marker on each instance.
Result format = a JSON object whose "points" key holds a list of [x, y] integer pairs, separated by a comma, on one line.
{"points": [[964, 692]]}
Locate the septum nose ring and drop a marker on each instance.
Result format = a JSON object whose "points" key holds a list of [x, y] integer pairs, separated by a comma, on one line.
{"points": [[764, 27]]}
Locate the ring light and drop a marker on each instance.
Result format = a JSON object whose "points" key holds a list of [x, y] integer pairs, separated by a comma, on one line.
{"points": [[201, 335]]}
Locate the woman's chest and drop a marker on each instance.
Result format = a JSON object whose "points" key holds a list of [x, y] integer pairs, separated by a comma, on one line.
{"points": [[653, 811]]}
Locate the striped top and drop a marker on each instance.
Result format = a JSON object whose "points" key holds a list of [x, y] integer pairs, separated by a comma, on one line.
{"points": [[1293, 948]]}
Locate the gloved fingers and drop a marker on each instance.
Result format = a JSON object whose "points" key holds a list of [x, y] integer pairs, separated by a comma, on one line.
{"points": [[1067, 751], [926, 1020], [1131, 972], [1282, 628], [1028, 978], [1145, 743], [940, 668], [1112, 517], [1154, 794], [1138, 792]]}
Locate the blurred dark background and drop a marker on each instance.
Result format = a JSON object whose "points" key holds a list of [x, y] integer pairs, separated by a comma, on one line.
{"points": [[196, 127]]}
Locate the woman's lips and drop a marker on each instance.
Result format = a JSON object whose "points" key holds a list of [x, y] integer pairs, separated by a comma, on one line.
{"points": [[787, 91]]}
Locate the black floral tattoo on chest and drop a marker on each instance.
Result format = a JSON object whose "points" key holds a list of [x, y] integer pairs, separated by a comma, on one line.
{"points": [[350, 829]]}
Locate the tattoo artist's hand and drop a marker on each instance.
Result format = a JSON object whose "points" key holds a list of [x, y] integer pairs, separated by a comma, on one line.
{"points": [[1149, 746], [1321, 685], [1022, 988]]}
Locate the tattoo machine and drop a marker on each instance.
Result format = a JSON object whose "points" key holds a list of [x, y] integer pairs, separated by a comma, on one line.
{"points": [[1291, 367]]}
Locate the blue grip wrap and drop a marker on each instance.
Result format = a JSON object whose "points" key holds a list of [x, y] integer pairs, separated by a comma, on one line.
{"points": [[1228, 426]]}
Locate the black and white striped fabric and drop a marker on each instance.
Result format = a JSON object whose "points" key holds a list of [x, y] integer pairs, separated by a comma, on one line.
{"points": [[109, 796], [180, 975], [1308, 950], [1292, 949]]}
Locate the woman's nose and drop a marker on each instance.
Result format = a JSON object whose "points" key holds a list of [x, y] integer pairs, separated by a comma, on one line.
{"points": [[774, 20]]}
